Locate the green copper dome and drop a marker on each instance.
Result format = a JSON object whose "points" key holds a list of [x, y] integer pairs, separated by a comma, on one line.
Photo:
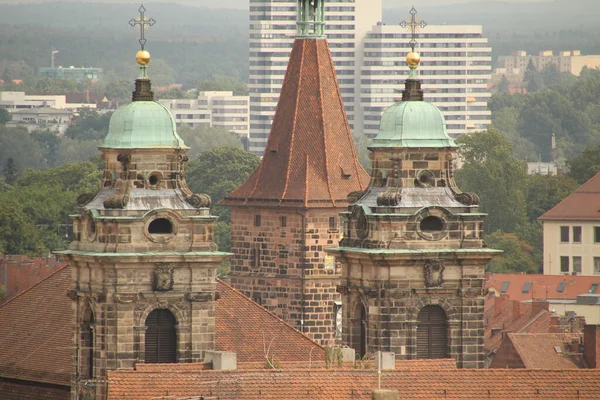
{"points": [[142, 124], [412, 124]]}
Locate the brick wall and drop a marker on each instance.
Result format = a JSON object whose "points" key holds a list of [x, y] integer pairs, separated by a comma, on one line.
{"points": [[19, 273], [13, 390]]}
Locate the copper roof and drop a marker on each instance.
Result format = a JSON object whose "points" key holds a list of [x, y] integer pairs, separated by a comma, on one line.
{"points": [[581, 205], [310, 159], [322, 384]]}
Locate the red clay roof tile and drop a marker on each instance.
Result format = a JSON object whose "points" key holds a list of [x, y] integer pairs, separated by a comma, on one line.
{"points": [[542, 286], [581, 205], [310, 159], [538, 350]]}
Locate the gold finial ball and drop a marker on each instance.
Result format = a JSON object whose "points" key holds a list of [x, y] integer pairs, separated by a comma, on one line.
{"points": [[142, 57], [413, 59]]}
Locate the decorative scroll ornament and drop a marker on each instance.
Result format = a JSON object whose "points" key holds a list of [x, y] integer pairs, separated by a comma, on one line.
{"points": [[200, 297], [199, 200], [434, 273], [389, 199], [163, 277]]}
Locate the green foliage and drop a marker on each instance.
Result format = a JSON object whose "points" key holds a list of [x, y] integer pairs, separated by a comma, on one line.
{"points": [[18, 235], [218, 172], [204, 138], [585, 165], [4, 116], [517, 256], [490, 171], [22, 147], [223, 83], [503, 85], [89, 125], [223, 235], [544, 192], [10, 172]]}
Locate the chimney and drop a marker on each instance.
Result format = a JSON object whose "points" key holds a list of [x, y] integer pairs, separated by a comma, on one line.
{"points": [[538, 306], [498, 301], [591, 345], [382, 394], [554, 323], [516, 308], [574, 345], [221, 360]]}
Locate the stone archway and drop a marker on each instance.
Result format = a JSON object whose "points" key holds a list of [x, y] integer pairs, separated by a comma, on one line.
{"points": [[161, 337], [358, 329], [432, 332]]}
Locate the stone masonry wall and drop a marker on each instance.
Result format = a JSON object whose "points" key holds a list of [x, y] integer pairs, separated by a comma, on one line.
{"points": [[279, 262]]}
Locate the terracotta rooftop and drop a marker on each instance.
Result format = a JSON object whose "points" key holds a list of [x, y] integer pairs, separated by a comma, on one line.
{"points": [[35, 332], [310, 159], [542, 287], [548, 350], [412, 383], [502, 315], [581, 205]]}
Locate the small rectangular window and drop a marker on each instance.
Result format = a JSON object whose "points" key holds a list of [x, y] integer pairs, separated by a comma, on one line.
{"points": [[597, 234], [597, 265], [593, 288], [257, 220], [526, 287], [561, 287], [564, 234], [576, 264], [576, 234], [283, 221], [504, 287], [564, 264], [333, 224]]}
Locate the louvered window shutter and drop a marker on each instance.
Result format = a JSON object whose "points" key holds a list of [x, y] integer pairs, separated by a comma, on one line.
{"points": [[432, 333], [161, 337]]}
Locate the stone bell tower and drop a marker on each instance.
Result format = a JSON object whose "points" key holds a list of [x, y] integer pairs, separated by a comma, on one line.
{"points": [[143, 257], [413, 254], [286, 212]]}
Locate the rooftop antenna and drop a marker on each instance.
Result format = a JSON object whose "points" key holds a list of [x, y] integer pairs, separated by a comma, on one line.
{"points": [[52, 58]]}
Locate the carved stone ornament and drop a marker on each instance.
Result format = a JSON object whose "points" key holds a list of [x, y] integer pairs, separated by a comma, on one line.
{"points": [[126, 298], [199, 200], [342, 289], [389, 199], [200, 297], [163, 277], [434, 273], [468, 198]]}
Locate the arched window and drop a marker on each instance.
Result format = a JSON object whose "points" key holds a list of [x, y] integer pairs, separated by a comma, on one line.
{"points": [[161, 337], [432, 333], [87, 346], [358, 330]]}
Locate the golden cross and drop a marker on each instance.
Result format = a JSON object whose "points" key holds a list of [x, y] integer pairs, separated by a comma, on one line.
{"points": [[413, 25], [142, 22]]}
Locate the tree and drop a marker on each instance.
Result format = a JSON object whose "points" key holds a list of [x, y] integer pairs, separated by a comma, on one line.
{"points": [[517, 256], [223, 83], [11, 173], [585, 165], [18, 234], [119, 90], [89, 125], [4, 116], [203, 138], [503, 85], [490, 170], [218, 172], [546, 191]]}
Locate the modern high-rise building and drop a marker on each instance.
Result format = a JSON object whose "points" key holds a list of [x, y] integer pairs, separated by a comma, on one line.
{"points": [[368, 57], [272, 31]]}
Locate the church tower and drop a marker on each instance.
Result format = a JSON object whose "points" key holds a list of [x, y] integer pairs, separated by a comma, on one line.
{"points": [[286, 212], [143, 258], [412, 254]]}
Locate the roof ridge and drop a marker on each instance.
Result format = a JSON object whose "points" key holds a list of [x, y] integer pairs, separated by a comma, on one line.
{"points": [[34, 286], [256, 305]]}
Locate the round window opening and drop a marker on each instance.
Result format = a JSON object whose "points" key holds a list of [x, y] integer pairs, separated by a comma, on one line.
{"points": [[153, 179], [432, 224], [160, 226], [425, 178]]}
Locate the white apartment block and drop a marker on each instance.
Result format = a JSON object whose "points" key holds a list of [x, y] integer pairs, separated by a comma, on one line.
{"points": [[272, 32], [571, 61], [219, 109], [369, 60], [19, 100], [455, 71]]}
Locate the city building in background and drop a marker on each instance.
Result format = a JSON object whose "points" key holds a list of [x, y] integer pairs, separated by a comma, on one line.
{"points": [[368, 58], [79, 74], [215, 109], [571, 61]]}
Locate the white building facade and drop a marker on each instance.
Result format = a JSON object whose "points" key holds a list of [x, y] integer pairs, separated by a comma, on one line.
{"points": [[369, 60], [219, 109]]}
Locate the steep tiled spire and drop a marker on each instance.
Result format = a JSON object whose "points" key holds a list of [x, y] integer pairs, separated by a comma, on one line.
{"points": [[310, 159]]}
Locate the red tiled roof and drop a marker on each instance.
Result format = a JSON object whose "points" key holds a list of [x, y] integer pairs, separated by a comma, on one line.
{"points": [[581, 205], [310, 159], [542, 286], [323, 384], [248, 329], [35, 332], [504, 315], [537, 350]]}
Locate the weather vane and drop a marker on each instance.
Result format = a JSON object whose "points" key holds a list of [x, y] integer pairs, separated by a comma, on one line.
{"points": [[413, 25], [142, 22]]}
